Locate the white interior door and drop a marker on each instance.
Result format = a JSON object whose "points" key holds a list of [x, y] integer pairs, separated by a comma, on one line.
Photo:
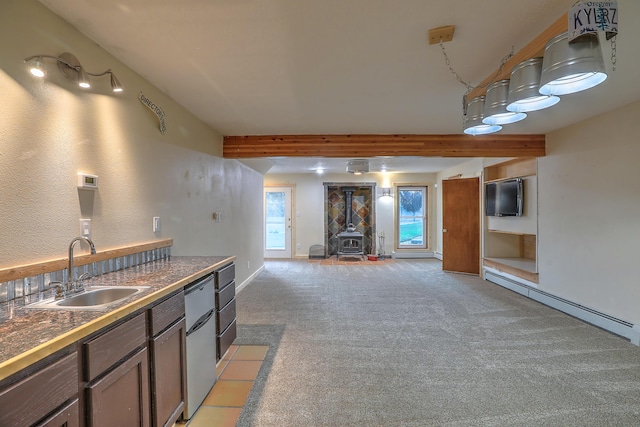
{"points": [[277, 222]]}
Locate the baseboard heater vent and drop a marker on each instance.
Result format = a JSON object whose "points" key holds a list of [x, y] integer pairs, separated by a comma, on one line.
{"points": [[589, 315], [410, 255]]}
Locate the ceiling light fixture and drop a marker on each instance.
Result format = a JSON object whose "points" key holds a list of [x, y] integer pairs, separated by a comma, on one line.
{"points": [[70, 67], [495, 105], [472, 123], [571, 67], [524, 95], [358, 166]]}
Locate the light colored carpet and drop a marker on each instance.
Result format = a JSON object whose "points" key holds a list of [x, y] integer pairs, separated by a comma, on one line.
{"points": [[405, 344]]}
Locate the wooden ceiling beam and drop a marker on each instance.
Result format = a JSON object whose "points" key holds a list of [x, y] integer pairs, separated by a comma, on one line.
{"points": [[354, 146], [534, 49]]}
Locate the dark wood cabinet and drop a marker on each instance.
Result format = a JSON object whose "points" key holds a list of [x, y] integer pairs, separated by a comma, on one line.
{"points": [[41, 397], [67, 416], [225, 287], [121, 397], [116, 368], [168, 360]]}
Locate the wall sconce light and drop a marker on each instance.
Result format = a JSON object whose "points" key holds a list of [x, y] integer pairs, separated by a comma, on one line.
{"points": [[472, 123], [524, 94], [571, 67], [70, 67], [495, 105], [386, 192]]}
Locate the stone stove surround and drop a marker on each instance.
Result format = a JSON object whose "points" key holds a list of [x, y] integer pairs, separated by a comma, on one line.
{"points": [[362, 214]]}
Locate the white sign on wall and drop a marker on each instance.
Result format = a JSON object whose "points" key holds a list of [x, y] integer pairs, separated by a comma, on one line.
{"points": [[589, 17], [156, 110]]}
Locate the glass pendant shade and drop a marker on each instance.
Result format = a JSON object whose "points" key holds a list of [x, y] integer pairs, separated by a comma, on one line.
{"points": [[495, 105], [524, 88], [83, 79], [36, 68], [115, 84], [571, 67], [473, 124]]}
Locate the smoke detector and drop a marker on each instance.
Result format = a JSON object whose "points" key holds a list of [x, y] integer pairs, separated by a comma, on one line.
{"points": [[358, 166]]}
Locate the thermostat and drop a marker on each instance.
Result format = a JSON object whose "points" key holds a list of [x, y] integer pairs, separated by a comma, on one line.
{"points": [[87, 181]]}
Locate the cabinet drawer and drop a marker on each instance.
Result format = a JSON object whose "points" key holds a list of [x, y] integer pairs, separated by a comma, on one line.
{"points": [[164, 314], [29, 400], [225, 316], [226, 294], [225, 339], [105, 350], [225, 275]]}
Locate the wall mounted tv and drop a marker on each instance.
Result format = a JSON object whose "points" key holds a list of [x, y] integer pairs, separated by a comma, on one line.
{"points": [[504, 198]]}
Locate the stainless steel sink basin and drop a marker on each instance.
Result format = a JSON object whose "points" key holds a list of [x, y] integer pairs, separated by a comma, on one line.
{"points": [[96, 298]]}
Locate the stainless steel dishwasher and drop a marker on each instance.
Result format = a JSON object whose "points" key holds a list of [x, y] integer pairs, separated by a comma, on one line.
{"points": [[201, 342]]}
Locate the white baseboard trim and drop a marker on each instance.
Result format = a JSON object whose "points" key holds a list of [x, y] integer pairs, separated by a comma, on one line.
{"points": [[249, 279], [438, 255], [412, 255], [594, 317]]}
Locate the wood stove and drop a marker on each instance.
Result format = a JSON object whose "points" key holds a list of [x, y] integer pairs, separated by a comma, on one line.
{"points": [[350, 243]]}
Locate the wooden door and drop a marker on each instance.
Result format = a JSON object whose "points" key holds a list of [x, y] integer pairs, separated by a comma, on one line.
{"points": [[461, 225]]}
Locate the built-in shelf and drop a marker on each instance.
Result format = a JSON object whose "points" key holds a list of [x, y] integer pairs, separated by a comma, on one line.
{"points": [[519, 267], [511, 169], [510, 244]]}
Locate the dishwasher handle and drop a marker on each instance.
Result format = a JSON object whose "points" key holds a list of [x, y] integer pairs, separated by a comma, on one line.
{"points": [[198, 285], [201, 321]]}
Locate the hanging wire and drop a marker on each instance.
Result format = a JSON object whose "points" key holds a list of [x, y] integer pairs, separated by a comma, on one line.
{"points": [[467, 84], [613, 53], [448, 62]]}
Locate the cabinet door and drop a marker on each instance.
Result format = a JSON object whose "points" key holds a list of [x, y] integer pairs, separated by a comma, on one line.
{"points": [[65, 417], [169, 374], [121, 397]]}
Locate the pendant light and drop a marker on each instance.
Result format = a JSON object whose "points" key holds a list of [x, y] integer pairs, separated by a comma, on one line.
{"points": [[472, 123], [571, 67], [524, 88], [495, 105], [70, 67], [37, 69]]}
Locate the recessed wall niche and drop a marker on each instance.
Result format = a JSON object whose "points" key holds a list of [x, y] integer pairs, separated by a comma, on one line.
{"points": [[362, 213]]}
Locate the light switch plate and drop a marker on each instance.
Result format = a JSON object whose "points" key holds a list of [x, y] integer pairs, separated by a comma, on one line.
{"points": [[156, 224], [85, 228]]}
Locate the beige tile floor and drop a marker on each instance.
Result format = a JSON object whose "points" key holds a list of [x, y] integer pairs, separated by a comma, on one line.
{"points": [[236, 374]]}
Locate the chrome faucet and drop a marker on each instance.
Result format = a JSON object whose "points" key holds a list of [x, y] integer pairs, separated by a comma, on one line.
{"points": [[72, 280]]}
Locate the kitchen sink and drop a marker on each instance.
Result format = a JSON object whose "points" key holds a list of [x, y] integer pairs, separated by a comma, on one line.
{"points": [[95, 298]]}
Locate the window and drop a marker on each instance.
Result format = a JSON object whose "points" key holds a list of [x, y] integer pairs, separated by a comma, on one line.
{"points": [[412, 217]]}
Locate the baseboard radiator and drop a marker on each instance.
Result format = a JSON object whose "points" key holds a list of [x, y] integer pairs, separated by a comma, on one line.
{"points": [[589, 315], [413, 254]]}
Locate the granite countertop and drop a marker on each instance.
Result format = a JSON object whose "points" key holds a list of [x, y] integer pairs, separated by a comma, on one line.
{"points": [[28, 335]]}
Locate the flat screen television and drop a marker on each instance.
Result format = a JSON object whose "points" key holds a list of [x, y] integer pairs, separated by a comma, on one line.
{"points": [[504, 198]]}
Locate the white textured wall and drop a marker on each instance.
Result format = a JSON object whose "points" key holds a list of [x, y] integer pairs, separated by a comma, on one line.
{"points": [[589, 213], [309, 203], [50, 129]]}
